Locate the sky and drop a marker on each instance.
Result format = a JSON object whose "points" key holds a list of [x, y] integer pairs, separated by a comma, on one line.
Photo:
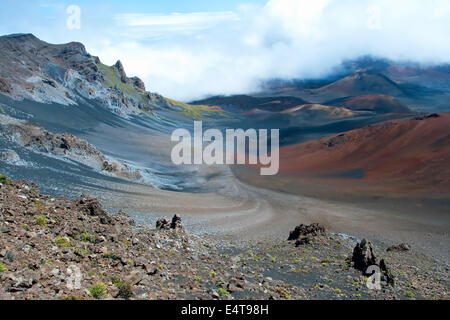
{"points": [[192, 49]]}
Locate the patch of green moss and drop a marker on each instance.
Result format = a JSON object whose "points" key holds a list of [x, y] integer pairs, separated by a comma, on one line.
{"points": [[195, 111], [3, 267]]}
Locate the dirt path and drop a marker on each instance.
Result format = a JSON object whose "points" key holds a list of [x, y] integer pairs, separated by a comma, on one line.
{"points": [[251, 213]]}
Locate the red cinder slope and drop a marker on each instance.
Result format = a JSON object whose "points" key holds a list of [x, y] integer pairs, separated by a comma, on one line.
{"points": [[416, 150]]}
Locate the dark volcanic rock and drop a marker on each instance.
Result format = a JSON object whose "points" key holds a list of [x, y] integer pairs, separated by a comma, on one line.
{"points": [[163, 224], [387, 274], [122, 74], [364, 255], [176, 222], [304, 234]]}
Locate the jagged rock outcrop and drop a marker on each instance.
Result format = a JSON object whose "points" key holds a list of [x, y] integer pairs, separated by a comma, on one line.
{"points": [[304, 234], [364, 255], [121, 70]]}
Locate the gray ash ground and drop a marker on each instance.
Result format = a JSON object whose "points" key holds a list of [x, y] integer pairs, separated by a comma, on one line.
{"points": [[43, 239]]}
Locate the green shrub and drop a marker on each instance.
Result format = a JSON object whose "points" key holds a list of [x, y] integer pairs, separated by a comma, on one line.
{"points": [[125, 289], [41, 220], [2, 267], [85, 236], [63, 242], [98, 290]]}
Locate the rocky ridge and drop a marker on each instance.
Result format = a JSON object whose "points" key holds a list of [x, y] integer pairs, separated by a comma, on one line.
{"points": [[67, 74]]}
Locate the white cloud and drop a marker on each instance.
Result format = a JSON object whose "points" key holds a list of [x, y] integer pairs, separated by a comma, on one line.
{"points": [[188, 56], [197, 19]]}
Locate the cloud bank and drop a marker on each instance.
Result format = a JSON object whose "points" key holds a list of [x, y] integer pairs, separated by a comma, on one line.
{"points": [[191, 55]]}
